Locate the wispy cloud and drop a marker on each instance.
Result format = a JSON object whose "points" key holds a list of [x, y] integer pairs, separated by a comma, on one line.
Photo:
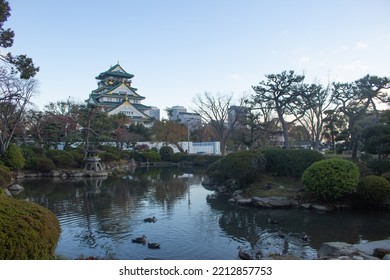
{"points": [[361, 45], [339, 50], [356, 65], [235, 77], [304, 59]]}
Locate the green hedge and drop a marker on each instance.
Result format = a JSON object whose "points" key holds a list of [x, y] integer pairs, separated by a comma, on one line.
{"points": [[379, 166], [27, 231], [244, 167], [151, 156], [372, 191], [288, 162], [40, 164], [331, 179], [108, 156], [61, 159]]}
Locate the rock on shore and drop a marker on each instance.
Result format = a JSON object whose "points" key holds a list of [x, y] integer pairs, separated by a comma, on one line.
{"points": [[373, 250]]}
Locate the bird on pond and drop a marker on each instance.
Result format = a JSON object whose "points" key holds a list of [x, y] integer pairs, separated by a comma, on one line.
{"points": [[274, 222], [243, 255], [141, 240], [150, 219], [280, 234], [304, 236], [153, 245]]}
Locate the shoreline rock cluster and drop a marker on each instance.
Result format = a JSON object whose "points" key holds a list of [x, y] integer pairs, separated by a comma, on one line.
{"points": [[373, 250]]}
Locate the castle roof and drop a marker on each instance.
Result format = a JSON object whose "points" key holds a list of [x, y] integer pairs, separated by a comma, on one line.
{"points": [[115, 71]]}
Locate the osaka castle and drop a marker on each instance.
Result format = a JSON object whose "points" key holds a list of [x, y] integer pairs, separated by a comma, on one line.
{"points": [[115, 95]]}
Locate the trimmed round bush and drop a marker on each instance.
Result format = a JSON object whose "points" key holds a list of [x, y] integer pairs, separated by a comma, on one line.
{"points": [[331, 179], [373, 190], [28, 231], [166, 153]]}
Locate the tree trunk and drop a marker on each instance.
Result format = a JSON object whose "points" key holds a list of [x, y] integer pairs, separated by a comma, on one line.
{"points": [[285, 133]]}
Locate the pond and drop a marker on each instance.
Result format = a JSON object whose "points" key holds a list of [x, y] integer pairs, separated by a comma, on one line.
{"points": [[100, 218]]}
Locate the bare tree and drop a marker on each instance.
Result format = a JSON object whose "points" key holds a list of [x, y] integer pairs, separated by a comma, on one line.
{"points": [[15, 95], [308, 109], [170, 132], [219, 113], [256, 126]]}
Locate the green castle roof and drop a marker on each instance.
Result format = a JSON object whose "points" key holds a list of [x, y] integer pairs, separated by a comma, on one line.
{"points": [[115, 71]]}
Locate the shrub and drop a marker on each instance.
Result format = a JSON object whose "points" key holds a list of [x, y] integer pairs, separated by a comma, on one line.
{"points": [[27, 231], [200, 161], [176, 157], [61, 159], [373, 190], [244, 167], [203, 160], [108, 156], [40, 164], [166, 153], [13, 157], [5, 176], [151, 156], [78, 156], [285, 162], [379, 166], [331, 178]]}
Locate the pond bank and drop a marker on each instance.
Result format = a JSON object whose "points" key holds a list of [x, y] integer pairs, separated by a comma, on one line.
{"points": [[366, 250]]}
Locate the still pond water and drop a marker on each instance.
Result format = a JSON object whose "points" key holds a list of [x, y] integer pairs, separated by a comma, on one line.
{"points": [[101, 217]]}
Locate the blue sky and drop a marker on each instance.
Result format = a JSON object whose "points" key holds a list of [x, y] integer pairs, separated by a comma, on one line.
{"points": [[178, 49]]}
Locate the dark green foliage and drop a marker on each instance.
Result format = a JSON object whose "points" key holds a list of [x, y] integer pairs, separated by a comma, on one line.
{"points": [[151, 156], [40, 164], [377, 139], [176, 157], [166, 153], [20, 63], [110, 149], [62, 159], [379, 166], [287, 162], [244, 167], [108, 156], [5, 176], [372, 191], [78, 156], [199, 160], [13, 157], [331, 179], [27, 231]]}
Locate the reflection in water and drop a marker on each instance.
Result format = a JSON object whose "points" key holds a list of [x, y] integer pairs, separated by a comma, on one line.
{"points": [[100, 218]]}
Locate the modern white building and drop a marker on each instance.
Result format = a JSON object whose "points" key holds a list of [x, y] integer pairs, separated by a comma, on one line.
{"points": [[201, 148], [180, 115]]}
